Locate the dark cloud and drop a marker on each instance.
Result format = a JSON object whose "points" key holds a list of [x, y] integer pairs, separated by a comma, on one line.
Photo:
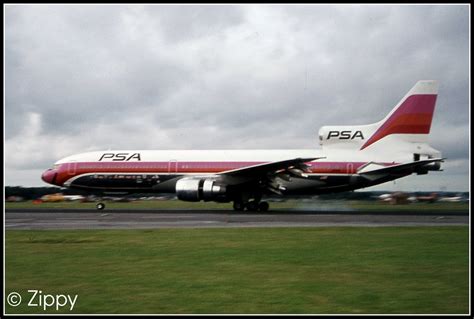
{"points": [[189, 23], [163, 76]]}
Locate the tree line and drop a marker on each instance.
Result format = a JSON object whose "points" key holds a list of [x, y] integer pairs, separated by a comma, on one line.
{"points": [[30, 193]]}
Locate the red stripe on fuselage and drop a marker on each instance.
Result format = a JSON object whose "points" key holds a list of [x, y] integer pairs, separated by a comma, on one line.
{"points": [[69, 170]]}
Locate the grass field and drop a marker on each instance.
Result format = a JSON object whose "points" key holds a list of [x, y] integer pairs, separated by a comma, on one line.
{"points": [[321, 205], [271, 270]]}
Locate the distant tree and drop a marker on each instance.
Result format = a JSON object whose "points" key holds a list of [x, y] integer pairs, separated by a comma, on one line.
{"points": [[30, 193]]}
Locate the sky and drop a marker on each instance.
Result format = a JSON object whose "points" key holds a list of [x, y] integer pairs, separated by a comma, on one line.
{"points": [[94, 77]]}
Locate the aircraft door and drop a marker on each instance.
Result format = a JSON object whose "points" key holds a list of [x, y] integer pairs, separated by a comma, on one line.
{"points": [[350, 168], [71, 168], [172, 166]]}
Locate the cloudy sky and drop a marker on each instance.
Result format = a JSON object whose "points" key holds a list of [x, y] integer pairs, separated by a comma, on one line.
{"points": [[81, 78]]}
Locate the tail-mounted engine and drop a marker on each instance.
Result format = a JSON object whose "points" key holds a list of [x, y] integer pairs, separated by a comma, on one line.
{"points": [[194, 189], [435, 166]]}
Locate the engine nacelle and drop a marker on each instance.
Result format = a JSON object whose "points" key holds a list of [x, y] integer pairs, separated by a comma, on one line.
{"points": [[435, 166], [193, 189]]}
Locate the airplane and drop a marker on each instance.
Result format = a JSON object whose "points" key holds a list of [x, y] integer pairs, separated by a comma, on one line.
{"points": [[395, 198], [433, 197], [452, 199], [59, 197], [351, 157]]}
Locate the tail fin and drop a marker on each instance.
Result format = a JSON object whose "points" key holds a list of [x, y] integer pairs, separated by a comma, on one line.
{"points": [[412, 115], [409, 121]]}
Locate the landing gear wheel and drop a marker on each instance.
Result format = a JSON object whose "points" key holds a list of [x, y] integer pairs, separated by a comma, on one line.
{"points": [[239, 206], [252, 206], [263, 206], [100, 206]]}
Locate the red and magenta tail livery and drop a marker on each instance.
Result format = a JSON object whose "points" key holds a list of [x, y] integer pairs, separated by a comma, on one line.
{"points": [[351, 157]]}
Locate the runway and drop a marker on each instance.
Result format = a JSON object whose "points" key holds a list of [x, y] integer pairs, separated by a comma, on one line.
{"points": [[152, 219]]}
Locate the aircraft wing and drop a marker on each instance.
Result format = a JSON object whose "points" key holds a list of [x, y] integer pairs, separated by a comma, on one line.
{"points": [[269, 175], [265, 168], [374, 171]]}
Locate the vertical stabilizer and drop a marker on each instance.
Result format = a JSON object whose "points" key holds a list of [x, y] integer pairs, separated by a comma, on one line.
{"points": [[412, 115]]}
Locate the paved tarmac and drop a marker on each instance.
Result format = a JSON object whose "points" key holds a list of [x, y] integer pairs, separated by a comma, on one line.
{"points": [[150, 219]]}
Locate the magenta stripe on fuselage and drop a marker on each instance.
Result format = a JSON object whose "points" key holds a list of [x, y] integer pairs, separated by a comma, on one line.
{"points": [[198, 167]]}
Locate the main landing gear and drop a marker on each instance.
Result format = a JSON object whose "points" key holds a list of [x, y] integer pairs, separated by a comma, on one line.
{"points": [[100, 206], [252, 206]]}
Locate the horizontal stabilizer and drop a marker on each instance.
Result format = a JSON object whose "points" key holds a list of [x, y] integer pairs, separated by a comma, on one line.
{"points": [[373, 170]]}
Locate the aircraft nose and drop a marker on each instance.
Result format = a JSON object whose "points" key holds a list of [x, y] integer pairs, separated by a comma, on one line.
{"points": [[49, 176]]}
